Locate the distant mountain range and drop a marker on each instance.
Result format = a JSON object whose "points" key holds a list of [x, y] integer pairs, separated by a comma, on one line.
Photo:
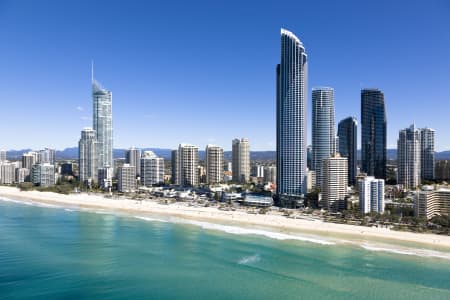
{"points": [[72, 153]]}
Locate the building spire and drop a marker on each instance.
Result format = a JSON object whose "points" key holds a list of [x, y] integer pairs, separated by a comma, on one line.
{"points": [[92, 71]]}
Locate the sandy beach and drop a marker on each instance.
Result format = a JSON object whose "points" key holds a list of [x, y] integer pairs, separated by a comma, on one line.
{"points": [[270, 220]]}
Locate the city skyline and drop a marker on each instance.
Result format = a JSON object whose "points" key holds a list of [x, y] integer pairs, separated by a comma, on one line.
{"points": [[56, 65]]}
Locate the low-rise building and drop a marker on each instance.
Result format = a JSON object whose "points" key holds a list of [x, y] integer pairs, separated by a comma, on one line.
{"points": [[429, 203]]}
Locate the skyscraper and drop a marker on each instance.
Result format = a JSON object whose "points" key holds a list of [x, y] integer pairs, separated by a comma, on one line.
{"points": [[427, 153], [373, 133], [87, 154], [291, 120], [334, 186], [323, 132], [187, 163], [347, 133], [214, 164], [152, 169], [408, 157], [103, 127], [241, 160], [174, 163], [133, 158]]}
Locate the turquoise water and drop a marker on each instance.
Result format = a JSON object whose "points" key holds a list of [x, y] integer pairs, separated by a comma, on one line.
{"points": [[52, 253]]}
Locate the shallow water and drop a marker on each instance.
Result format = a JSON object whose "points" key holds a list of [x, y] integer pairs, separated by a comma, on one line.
{"points": [[50, 252]]}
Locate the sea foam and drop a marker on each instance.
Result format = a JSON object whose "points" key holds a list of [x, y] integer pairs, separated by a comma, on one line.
{"points": [[265, 233], [249, 259], [407, 251]]}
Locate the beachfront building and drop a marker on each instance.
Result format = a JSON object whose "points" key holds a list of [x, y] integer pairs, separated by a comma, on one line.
{"points": [[427, 166], [334, 186], [241, 160], [214, 164], [429, 203], [186, 165], [347, 134], [7, 173], [29, 159], [133, 158], [371, 195], [22, 175], [87, 156], [102, 124], [291, 84], [105, 176], [152, 169], [373, 133], [408, 157], [126, 176], [174, 164], [43, 174], [323, 132]]}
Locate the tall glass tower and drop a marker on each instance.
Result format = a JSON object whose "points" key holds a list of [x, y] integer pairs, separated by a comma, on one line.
{"points": [[102, 99], [323, 132], [347, 133], [373, 133], [291, 120]]}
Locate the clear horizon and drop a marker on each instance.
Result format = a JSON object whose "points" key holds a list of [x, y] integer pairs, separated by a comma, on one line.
{"points": [[204, 73]]}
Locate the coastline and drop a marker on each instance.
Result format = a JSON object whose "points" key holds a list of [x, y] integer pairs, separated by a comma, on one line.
{"points": [[276, 222]]}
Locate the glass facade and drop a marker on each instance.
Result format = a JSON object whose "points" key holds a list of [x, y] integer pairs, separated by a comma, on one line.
{"points": [[373, 133], [291, 120], [348, 143], [323, 132], [103, 124]]}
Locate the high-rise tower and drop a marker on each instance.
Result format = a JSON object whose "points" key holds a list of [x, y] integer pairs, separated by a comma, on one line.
{"points": [[347, 133], [291, 120], [323, 132], [102, 101], [373, 133], [241, 160], [88, 158], [427, 153], [408, 157], [214, 164]]}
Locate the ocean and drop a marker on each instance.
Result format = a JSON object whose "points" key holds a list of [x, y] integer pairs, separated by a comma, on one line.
{"points": [[59, 253]]}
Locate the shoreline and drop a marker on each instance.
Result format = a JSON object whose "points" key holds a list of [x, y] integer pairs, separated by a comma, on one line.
{"points": [[276, 222]]}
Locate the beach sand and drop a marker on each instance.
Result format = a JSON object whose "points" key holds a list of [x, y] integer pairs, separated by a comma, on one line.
{"points": [[271, 220]]}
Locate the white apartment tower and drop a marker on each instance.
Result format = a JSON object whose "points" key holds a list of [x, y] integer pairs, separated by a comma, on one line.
{"points": [[187, 163], [335, 182], [133, 158], [126, 178], [87, 154], [241, 160], [371, 195], [152, 169], [409, 154], [214, 164]]}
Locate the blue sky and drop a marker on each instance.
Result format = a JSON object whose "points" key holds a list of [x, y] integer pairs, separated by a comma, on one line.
{"points": [[204, 71]]}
